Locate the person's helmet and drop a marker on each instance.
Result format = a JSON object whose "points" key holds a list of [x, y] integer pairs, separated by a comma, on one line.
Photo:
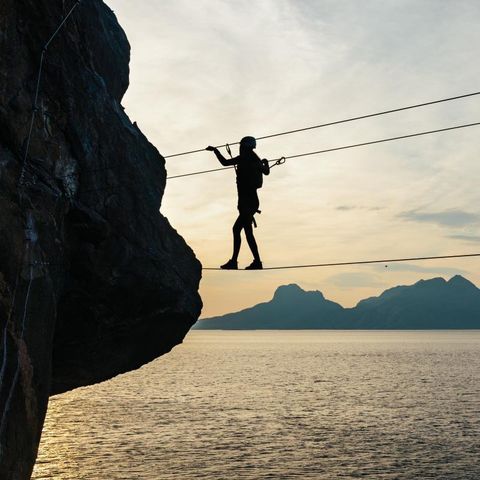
{"points": [[248, 142]]}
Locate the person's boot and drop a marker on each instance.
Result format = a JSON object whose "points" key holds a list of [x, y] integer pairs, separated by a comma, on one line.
{"points": [[230, 265], [255, 265]]}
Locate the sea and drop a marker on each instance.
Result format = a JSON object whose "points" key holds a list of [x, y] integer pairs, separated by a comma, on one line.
{"points": [[278, 405]]}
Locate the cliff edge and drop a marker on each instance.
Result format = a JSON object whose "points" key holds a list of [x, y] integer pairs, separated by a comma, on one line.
{"points": [[93, 279]]}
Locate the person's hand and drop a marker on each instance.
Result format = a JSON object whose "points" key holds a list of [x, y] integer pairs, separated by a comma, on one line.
{"points": [[210, 148], [265, 167]]}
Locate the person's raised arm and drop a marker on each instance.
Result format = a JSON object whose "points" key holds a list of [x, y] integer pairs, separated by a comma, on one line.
{"points": [[225, 162]]}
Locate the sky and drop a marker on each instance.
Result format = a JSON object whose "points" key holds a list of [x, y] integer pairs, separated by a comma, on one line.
{"points": [[212, 71]]}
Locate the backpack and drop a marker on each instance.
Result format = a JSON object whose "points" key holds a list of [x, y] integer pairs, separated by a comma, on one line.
{"points": [[251, 173]]}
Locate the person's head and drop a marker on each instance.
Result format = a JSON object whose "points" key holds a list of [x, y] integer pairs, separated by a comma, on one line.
{"points": [[247, 144]]}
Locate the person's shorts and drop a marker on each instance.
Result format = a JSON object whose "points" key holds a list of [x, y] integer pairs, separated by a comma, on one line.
{"points": [[248, 204]]}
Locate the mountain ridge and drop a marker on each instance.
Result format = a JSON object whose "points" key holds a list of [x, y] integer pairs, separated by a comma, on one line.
{"points": [[427, 304]]}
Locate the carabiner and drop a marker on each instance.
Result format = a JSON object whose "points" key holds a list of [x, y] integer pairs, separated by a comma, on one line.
{"points": [[280, 161]]}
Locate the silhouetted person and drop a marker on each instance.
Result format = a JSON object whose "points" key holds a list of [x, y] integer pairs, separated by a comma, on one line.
{"points": [[249, 170]]}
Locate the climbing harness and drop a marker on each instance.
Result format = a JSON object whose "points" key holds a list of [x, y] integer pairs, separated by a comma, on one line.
{"points": [[277, 162]]}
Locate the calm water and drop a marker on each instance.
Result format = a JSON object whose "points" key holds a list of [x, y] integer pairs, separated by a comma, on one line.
{"points": [[279, 405]]}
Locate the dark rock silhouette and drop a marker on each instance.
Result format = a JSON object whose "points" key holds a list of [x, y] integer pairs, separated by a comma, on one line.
{"points": [[110, 284], [428, 304]]}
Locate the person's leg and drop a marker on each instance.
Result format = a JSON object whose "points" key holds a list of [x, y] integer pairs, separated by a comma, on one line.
{"points": [[247, 225], [237, 239]]}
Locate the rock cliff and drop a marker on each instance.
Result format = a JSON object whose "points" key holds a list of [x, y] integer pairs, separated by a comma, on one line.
{"points": [[93, 279]]}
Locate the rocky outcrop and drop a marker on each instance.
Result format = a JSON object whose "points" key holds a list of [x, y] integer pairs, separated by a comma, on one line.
{"points": [[93, 280]]}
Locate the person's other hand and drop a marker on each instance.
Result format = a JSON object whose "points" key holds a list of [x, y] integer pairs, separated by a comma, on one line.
{"points": [[210, 148]]}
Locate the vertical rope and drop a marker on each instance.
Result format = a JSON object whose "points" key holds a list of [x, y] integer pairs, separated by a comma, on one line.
{"points": [[18, 368], [37, 89], [7, 323], [32, 118]]}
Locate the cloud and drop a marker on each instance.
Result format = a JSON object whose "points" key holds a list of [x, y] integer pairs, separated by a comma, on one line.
{"points": [[347, 208], [447, 218], [354, 280], [466, 238], [408, 267]]}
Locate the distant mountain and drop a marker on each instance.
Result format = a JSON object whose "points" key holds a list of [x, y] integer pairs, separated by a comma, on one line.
{"points": [[290, 307], [428, 304]]}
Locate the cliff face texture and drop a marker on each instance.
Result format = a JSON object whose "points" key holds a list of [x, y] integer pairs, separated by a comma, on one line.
{"points": [[93, 280]]}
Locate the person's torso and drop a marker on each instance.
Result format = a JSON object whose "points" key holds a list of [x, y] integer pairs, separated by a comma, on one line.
{"points": [[249, 170]]}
